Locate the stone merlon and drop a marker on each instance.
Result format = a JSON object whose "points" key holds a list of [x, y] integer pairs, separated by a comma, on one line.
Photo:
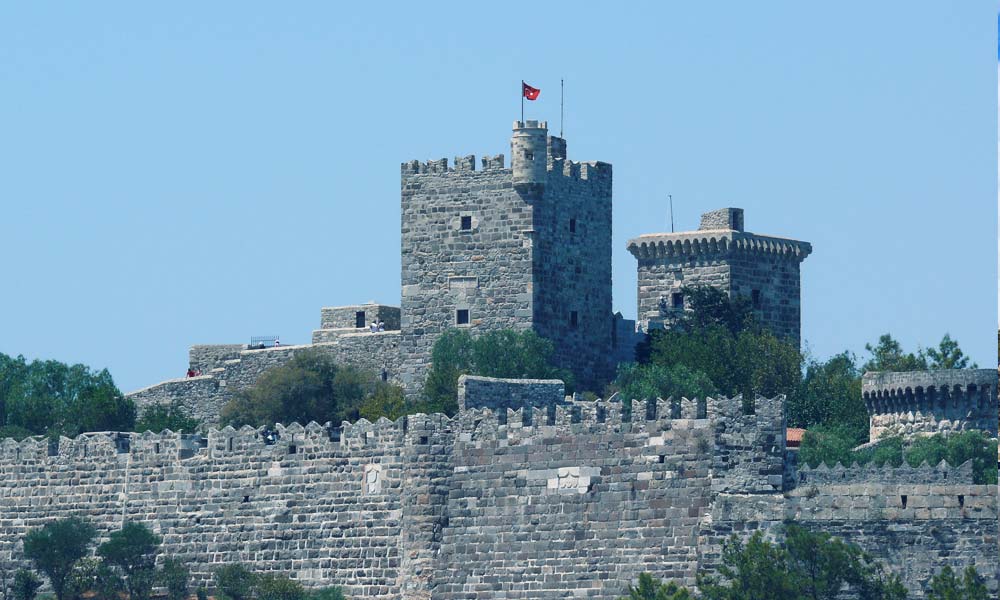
{"points": [[715, 241]]}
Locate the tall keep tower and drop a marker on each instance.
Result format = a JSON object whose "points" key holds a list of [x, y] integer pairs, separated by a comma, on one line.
{"points": [[722, 255], [521, 247]]}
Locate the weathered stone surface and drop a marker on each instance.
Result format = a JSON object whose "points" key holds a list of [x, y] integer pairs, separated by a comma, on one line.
{"points": [[542, 502], [502, 394], [720, 255], [525, 247], [931, 401]]}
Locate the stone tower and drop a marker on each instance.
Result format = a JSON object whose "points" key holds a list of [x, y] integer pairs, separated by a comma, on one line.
{"points": [[943, 401], [521, 247], [722, 255]]}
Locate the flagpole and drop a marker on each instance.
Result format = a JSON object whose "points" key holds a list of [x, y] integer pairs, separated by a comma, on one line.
{"points": [[561, 90], [522, 101]]}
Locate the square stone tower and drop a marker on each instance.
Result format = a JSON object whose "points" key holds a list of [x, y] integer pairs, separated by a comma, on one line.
{"points": [[722, 255], [521, 247]]}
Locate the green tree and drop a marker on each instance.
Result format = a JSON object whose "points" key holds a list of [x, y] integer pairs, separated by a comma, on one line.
{"points": [[948, 355], [709, 307], [385, 401], [956, 449], [643, 382], [56, 548], [829, 394], [172, 416], [174, 576], [327, 593], [501, 353], [752, 362], [26, 585], [946, 585], [888, 355], [235, 582], [755, 570], [131, 551], [277, 587], [650, 588], [828, 444], [310, 387], [808, 565], [50, 397]]}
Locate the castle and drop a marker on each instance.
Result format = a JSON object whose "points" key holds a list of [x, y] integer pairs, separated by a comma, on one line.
{"points": [[525, 247], [526, 493]]}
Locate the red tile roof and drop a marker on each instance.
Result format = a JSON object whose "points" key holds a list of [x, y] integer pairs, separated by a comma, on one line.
{"points": [[793, 437]]}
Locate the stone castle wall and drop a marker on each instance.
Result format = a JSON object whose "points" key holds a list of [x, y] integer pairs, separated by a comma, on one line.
{"points": [[203, 397], [915, 402], [916, 520], [544, 502], [205, 357]]}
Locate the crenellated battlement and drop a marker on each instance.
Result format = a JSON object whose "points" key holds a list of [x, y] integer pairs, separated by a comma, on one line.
{"points": [[931, 401], [924, 473], [715, 242], [461, 164]]}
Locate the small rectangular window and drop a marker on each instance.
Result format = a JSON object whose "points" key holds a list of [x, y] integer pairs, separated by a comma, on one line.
{"points": [[572, 225], [677, 300], [466, 222], [574, 319], [755, 297], [359, 319], [529, 156], [462, 316]]}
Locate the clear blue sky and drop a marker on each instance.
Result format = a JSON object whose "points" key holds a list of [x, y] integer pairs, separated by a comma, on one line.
{"points": [[181, 173]]}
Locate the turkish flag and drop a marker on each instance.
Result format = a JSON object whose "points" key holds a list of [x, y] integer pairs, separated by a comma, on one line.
{"points": [[529, 92]]}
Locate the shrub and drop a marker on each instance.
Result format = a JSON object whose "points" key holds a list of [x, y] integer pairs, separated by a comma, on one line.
{"points": [[92, 577], [174, 576], [501, 353], [650, 588], [235, 582], [173, 416], [26, 585], [956, 449], [278, 587], [311, 387], [946, 585], [327, 593], [644, 382]]}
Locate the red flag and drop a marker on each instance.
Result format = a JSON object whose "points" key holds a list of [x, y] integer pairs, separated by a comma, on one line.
{"points": [[529, 92]]}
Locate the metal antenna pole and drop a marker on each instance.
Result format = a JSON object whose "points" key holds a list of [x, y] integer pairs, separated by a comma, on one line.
{"points": [[671, 196], [561, 93]]}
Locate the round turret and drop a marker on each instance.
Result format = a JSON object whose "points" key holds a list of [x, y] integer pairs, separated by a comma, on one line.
{"points": [[529, 154]]}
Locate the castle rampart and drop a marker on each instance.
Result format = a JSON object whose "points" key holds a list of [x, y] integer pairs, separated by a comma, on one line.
{"points": [[544, 501], [931, 401]]}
